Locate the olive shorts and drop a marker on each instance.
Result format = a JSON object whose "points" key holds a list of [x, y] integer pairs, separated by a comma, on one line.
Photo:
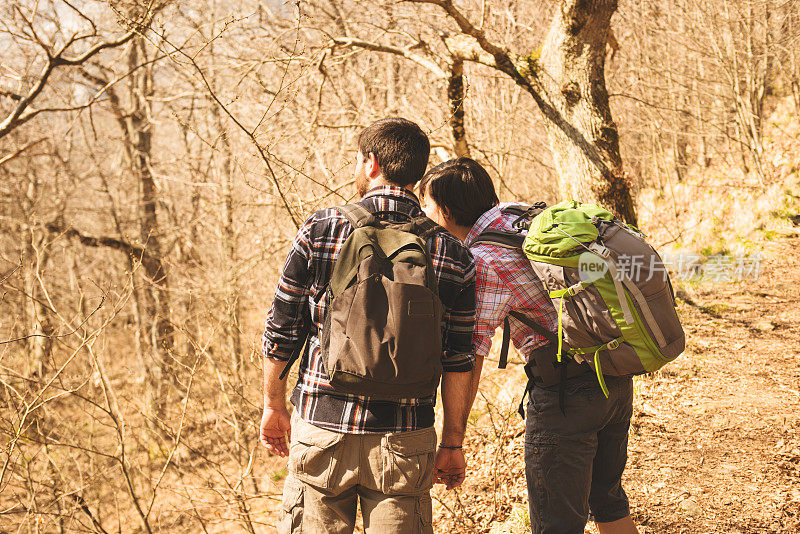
{"points": [[574, 460], [329, 473]]}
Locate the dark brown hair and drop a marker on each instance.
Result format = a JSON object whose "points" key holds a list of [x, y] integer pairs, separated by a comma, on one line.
{"points": [[461, 187], [400, 146]]}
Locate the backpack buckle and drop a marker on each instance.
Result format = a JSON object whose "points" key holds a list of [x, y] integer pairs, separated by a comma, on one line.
{"points": [[599, 249], [613, 344], [521, 223]]}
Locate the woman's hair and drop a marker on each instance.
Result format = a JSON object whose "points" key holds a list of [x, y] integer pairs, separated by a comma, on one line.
{"points": [[462, 188]]}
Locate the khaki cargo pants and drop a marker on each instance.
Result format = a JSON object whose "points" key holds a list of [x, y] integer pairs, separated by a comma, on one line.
{"points": [[329, 472]]}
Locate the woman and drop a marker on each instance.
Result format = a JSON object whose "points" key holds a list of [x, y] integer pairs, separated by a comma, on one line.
{"points": [[573, 461]]}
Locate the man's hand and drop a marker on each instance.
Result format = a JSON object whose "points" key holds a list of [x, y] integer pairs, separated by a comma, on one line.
{"points": [[276, 430], [451, 467]]}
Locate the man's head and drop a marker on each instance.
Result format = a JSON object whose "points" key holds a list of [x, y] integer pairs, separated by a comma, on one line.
{"points": [[394, 149], [456, 193]]}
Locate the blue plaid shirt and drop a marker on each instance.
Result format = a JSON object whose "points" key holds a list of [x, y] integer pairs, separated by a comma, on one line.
{"points": [[300, 295]]}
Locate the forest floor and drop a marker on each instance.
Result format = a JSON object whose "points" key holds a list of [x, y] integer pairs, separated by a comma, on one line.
{"points": [[715, 437]]}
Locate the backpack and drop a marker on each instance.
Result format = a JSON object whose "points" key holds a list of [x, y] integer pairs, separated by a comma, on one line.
{"points": [[514, 240], [382, 334], [620, 324], [542, 366]]}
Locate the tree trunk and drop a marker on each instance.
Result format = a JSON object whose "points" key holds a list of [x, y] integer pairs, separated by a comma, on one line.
{"points": [[573, 77], [34, 260], [40, 343], [158, 367], [455, 94], [232, 304]]}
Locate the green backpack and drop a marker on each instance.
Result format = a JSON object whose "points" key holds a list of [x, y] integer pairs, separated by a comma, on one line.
{"points": [[382, 335], [615, 303], [620, 325]]}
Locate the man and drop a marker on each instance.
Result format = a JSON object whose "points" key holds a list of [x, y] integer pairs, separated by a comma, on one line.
{"points": [[574, 458], [349, 448]]}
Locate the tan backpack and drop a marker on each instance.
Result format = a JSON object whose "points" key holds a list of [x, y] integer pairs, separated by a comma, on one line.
{"points": [[382, 335]]}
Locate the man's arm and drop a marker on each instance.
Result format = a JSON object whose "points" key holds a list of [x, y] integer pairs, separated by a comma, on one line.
{"points": [[456, 405], [283, 336], [451, 466], [458, 366], [276, 428], [476, 378]]}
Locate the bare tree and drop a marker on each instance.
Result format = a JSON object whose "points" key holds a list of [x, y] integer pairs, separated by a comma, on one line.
{"points": [[573, 76], [58, 57], [567, 83]]}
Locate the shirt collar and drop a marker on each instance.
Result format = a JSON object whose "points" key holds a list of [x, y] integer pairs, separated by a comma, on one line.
{"points": [[483, 222], [399, 193]]}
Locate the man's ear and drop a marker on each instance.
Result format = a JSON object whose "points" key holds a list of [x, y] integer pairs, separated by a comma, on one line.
{"points": [[371, 167], [448, 219]]}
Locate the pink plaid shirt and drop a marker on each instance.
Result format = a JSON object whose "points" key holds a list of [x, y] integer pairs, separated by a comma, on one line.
{"points": [[506, 282]]}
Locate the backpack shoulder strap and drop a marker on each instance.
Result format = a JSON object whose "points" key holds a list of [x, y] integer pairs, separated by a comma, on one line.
{"points": [[425, 227], [536, 327], [530, 323], [357, 214], [501, 238], [516, 209], [524, 213], [299, 349]]}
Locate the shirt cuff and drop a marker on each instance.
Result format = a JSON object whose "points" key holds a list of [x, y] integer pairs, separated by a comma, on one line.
{"points": [[458, 363], [483, 345], [274, 352]]}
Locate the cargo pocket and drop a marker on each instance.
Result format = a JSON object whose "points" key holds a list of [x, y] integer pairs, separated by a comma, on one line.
{"points": [[540, 456], [424, 513], [291, 507], [408, 461], [314, 453]]}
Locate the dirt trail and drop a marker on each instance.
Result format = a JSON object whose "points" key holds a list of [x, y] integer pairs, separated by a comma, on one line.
{"points": [[715, 443], [716, 446]]}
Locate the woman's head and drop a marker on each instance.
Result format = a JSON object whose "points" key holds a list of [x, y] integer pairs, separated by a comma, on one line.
{"points": [[457, 192]]}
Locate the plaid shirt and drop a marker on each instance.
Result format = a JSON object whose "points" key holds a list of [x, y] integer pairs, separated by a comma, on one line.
{"points": [[506, 282], [301, 294]]}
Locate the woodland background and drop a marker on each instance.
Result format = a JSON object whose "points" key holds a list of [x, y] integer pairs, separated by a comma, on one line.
{"points": [[157, 157]]}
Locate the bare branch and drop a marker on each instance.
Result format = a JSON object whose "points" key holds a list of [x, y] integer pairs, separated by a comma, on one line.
{"points": [[465, 25], [5, 159], [21, 113], [115, 243], [501, 57], [55, 336], [408, 52], [250, 133]]}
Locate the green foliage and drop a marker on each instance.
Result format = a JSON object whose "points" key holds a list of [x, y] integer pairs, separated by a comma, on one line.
{"points": [[474, 415], [718, 308], [517, 522], [789, 206], [771, 235], [530, 63], [279, 475], [719, 248], [748, 245]]}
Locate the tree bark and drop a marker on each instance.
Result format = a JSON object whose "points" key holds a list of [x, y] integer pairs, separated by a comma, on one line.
{"points": [[573, 78], [158, 368], [455, 94], [35, 256], [40, 343]]}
